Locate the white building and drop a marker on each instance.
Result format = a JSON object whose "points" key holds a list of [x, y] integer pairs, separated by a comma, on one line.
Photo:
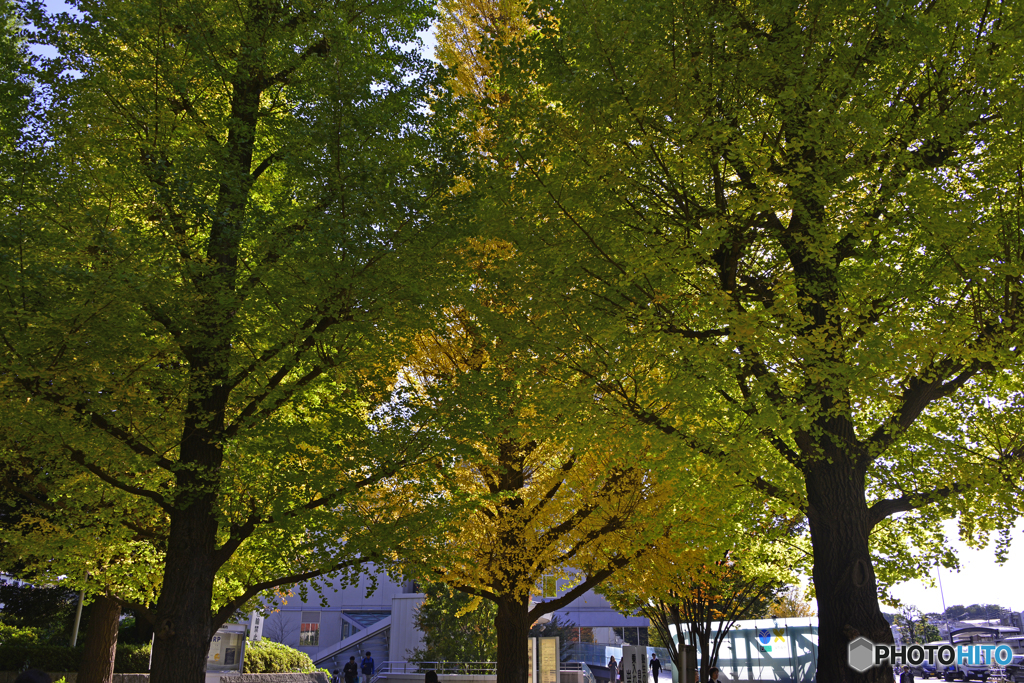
{"points": [[352, 620]]}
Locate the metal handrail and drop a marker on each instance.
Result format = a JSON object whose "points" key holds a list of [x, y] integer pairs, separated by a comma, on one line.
{"points": [[465, 668], [442, 668]]}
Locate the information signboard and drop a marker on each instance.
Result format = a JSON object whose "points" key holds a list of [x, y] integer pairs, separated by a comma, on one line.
{"points": [[634, 664], [227, 650], [550, 659]]}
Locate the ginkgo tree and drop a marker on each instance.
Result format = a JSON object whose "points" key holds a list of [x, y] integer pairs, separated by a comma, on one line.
{"points": [[695, 592], [787, 235], [551, 489], [204, 305]]}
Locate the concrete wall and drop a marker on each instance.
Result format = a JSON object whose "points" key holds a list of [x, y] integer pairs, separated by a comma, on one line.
{"points": [[72, 677], [405, 637], [443, 678]]}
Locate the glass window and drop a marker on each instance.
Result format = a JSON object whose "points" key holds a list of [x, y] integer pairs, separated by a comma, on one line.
{"points": [[632, 635], [309, 630]]}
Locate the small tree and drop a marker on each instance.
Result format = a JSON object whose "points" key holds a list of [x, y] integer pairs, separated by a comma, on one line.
{"points": [[680, 589], [456, 627], [914, 626], [566, 631]]}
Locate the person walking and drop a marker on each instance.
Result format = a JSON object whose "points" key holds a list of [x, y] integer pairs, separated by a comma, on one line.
{"points": [[713, 674], [367, 667], [655, 667], [350, 671], [613, 670]]}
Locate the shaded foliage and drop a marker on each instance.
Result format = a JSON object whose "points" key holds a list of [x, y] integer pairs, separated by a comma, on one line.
{"points": [[456, 627]]}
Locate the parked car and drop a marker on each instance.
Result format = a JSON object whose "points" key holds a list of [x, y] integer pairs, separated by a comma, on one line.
{"points": [[924, 670], [966, 672], [1015, 669]]}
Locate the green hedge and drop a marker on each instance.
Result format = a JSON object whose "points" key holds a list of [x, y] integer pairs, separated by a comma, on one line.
{"points": [[262, 657], [18, 635], [268, 657], [130, 659], [45, 657]]}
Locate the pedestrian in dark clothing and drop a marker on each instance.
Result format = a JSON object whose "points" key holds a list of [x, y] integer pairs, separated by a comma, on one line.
{"points": [[351, 670], [366, 667], [431, 677], [655, 666]]}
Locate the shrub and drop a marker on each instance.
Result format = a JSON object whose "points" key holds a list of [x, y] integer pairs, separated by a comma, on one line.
{"points": [[45, 657], [268, 657], [18, 635], [130, 659]]}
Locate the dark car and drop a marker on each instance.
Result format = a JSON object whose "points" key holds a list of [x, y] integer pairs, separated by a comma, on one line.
{"points": [[924, 670], [1015, 669]]}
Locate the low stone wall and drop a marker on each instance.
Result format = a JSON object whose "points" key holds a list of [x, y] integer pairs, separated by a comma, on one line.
{"points": [[72, 677], [442, 678], [318, 677]]}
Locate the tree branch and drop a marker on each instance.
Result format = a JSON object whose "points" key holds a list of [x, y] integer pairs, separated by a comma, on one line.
{"points": [[225, 612], [910, 501], [79, 457], [591, 581], [917, 396]]}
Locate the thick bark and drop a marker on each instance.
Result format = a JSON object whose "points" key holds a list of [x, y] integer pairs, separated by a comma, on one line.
{"points": [[100, 642], [844, 580], [185, 622], [512, 624]]}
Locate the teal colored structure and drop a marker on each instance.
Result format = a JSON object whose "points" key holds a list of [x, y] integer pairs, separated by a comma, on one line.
{"points": [[770, 650]]}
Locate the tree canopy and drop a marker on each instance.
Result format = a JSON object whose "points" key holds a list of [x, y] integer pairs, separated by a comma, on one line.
{"points": [[717, 253], [209, 297], [794, 239]]}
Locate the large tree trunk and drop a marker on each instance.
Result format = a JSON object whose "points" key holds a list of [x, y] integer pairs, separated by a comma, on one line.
{"points": [[512, 624], [184, 618], [843, 576], [100, 642], [184, 610]]}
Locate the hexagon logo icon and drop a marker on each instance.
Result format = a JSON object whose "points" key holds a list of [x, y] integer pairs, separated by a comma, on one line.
{"points": [[862, 653]]}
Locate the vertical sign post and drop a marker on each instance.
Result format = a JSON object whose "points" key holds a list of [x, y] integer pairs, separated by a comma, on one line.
{"points": [[531, 648], [550, 660], [255, 626], [634, 664]]}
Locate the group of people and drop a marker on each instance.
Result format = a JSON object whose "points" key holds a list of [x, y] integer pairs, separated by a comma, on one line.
{"points": [[615, 672], [351, 670]]}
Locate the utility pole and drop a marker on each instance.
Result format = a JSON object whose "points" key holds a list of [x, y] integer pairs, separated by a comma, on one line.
{"points": [[78, 618]]}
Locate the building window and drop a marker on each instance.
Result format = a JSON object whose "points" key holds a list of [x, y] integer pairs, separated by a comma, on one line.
{"points": [[633, 635], [309, 630]]}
